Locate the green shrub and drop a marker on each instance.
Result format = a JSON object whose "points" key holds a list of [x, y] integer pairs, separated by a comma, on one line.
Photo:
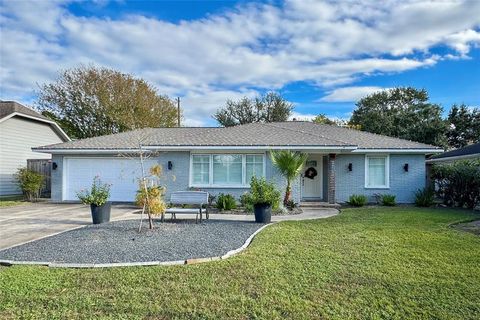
{"points": [[246, 201], [388, 200], [458, 183], [424, 197], [357, 200], [263, 192], [30, 183], [226, 202], [290, 204], [97, 195]]}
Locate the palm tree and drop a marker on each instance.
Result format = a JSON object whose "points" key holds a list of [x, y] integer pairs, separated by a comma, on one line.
{"points": [[290, 164]]}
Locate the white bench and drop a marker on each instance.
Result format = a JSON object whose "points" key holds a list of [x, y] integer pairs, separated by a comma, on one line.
{"points": [[198, 198]]}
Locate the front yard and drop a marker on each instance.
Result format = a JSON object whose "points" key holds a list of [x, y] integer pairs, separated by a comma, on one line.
{"points": [[12, 201], [365, 263]]}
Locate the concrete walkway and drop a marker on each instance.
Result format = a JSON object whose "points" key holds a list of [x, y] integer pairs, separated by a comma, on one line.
{"points": [[20, 224], [24, 223]]}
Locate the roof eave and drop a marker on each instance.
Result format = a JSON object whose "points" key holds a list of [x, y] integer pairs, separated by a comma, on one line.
{"points": [[398, 150]]}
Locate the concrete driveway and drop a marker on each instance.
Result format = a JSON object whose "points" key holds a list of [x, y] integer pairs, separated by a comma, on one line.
{"points": [[20, 224]]}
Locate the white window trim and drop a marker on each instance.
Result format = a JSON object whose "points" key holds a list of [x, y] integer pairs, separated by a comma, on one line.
{"points": [[245, 184], [387, 171]]}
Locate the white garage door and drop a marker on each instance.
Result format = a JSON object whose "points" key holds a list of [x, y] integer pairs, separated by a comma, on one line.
{"points": [[122, 174]]}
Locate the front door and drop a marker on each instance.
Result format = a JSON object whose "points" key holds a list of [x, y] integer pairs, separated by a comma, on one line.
{"points": [[312, 178]]}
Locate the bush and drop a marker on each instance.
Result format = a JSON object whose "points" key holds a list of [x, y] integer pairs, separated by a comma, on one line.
{"points": [[458, 184], [30, 183], [246, 201], [357, 200], [388, 200], [155, 203], [226, 202], [97, 195], [290, 204], [263, 192], [424, 197]]}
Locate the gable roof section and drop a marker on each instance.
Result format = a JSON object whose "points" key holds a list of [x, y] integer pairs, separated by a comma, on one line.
{"points": [[468, 152], [9, 109], [294, 135]]}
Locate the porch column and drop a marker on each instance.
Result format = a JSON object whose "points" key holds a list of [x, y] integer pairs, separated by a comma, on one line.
{"points": [[331, 178]]}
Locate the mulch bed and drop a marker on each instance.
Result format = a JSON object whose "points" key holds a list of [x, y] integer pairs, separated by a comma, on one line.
{"points": [[120, 242]]}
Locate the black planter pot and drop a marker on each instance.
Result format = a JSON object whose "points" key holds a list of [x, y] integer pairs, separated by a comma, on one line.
{"points": [[263, 212], [100, 214]]}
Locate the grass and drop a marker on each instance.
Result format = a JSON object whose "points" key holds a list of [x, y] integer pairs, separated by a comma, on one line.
{"points": [[369, 263], [11, 201]]}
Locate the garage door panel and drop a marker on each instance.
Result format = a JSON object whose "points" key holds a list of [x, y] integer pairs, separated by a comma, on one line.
{"points": [[122, 174]]}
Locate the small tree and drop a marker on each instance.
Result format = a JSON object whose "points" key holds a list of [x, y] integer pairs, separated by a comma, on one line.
{"points": [[151, 197], [290, 164], [30, 183]]}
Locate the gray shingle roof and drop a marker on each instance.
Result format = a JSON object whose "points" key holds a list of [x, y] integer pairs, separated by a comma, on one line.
{"points": [[470, 150], [294, 133], [9, 107]]}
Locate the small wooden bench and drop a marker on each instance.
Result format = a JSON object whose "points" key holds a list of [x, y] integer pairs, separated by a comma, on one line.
{"points": [[197, 198]]}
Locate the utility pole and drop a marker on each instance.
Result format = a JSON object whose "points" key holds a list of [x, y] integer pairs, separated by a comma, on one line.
{"points": [[178, 112]]}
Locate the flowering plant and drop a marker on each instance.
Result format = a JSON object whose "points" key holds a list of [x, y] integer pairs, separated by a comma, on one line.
{"points": [[98, 195]]}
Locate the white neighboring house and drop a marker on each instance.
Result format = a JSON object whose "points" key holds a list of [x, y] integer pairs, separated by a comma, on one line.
{"points": [[21, 129]]}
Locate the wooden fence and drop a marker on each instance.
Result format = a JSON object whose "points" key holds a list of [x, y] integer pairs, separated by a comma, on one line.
{"points": [[44, 167]]}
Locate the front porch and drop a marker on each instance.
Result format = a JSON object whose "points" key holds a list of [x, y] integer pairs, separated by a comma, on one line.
{"points": [[317, 181]]}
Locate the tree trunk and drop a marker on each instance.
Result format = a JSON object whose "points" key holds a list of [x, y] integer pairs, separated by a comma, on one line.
{"points": [[145, 188], [288, 191]]}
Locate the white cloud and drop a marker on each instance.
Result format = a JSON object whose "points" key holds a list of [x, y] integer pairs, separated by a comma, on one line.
{"points": [[240, 51], [462, 41], [349, 94]]}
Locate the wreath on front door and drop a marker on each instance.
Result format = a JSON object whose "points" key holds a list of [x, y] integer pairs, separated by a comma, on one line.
{"points": [[311, 173]]}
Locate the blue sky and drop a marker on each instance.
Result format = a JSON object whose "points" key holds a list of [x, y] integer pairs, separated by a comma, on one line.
{"points": [[322, 56]]}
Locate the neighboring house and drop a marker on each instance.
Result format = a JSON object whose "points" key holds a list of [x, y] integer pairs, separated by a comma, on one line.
{"points": [[21, 129], [343, 161], [467, 153]]}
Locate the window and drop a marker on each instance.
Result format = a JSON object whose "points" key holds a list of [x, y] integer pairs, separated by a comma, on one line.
{"points": [[253, 167], [377, 172], [225, 170], [200, 169]]}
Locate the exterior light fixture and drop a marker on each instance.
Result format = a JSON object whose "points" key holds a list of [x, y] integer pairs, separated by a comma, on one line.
{"points": [[350, 167], [54, 166], [405, 167], [169, 165]]}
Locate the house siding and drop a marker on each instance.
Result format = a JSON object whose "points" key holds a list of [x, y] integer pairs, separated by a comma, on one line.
{"points": [[177, 179], [18, 136], [402, 184]]}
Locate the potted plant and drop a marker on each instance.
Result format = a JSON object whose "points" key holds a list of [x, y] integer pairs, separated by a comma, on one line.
{"points": [[97, 198], [264, 195]]}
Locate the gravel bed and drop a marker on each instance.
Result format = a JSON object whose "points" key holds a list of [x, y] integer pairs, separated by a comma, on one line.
{"points": [[120, 242]]}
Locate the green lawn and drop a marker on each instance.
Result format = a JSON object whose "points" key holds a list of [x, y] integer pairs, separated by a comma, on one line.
{"points": [[382, 263], [11, 201]]}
